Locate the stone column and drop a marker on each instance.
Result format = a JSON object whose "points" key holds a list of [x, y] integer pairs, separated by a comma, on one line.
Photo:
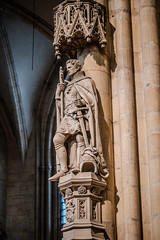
{"points": [[151, 87], [141, 122], [96, 66], [127, 173]]}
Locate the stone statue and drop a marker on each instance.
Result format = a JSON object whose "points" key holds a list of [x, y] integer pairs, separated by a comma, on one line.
{"points": [[77, 140]]}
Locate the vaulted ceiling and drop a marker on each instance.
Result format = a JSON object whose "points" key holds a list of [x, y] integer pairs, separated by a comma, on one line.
{"points": [[27, 56]]}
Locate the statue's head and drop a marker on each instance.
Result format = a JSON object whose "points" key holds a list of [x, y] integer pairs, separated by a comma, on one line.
{"points": [[73, 66]]}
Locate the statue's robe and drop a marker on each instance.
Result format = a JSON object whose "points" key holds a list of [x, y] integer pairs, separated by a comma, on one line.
{"points": [[86, 88]]}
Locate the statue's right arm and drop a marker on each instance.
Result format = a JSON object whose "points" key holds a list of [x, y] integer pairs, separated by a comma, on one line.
{"points": [[58, 103], [60, 88]]}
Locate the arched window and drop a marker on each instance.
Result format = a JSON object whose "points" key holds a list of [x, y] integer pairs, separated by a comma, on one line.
{"points": [[63, 212]]}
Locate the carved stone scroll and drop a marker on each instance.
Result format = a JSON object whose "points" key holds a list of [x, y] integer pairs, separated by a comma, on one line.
{"points": [[77, 23]]}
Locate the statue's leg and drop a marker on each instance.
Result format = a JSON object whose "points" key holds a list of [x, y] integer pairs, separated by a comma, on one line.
{"points": [[81, 147], [59, 140], [72, 153]]}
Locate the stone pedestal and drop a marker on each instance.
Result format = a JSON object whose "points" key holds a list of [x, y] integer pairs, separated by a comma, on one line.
{"points": [[83, 195]]}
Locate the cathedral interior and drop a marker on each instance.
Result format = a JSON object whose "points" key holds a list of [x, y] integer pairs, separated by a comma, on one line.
{"points": [[31, 207]]}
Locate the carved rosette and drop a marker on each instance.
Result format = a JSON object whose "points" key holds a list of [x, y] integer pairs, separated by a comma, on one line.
{"points": [[82, 190], [77, 23]]}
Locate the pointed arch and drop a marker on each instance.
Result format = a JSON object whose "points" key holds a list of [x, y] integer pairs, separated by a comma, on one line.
{"points": [[28, 17], [21, 133]]}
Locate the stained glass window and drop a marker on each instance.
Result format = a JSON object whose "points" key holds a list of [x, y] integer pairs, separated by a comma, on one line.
{"points": [[63, 211]]}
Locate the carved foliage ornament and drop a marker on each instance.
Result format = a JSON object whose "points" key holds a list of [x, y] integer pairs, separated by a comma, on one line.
{"points": [[94, 214], [82, 209], [68, 192], [77, 23], [70, 210]]}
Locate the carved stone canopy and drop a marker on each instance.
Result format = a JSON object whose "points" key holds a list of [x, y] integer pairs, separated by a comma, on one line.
{"points": [[77, 23]]}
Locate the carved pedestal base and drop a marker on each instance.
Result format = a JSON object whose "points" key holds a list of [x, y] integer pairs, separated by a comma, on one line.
{"points": [[83, 198]]}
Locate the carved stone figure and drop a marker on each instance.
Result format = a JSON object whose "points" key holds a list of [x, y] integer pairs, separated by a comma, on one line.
{"points": [[77, 139]]}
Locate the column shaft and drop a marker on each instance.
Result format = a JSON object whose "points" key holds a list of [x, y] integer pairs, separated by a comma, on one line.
{"points": [[96, 65], [127, 172], [141, 122], [151, 86]]}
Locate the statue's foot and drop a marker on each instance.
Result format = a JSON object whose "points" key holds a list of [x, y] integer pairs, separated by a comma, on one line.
{"points": [[75, 170], [57, 176]]}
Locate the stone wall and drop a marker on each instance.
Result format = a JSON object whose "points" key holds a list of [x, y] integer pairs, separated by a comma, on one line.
{"points": [[3, 165], [20, 194]]}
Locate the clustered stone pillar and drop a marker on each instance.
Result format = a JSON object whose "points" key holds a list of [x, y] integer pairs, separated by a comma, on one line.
{"points": [[151, 86], [126, 166]]}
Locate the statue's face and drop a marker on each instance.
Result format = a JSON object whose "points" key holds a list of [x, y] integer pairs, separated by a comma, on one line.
{"points": [[72, 69]]}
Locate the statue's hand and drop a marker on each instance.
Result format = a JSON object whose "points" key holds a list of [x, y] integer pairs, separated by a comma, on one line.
{"points": [[60, 88], [58, 103]]}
